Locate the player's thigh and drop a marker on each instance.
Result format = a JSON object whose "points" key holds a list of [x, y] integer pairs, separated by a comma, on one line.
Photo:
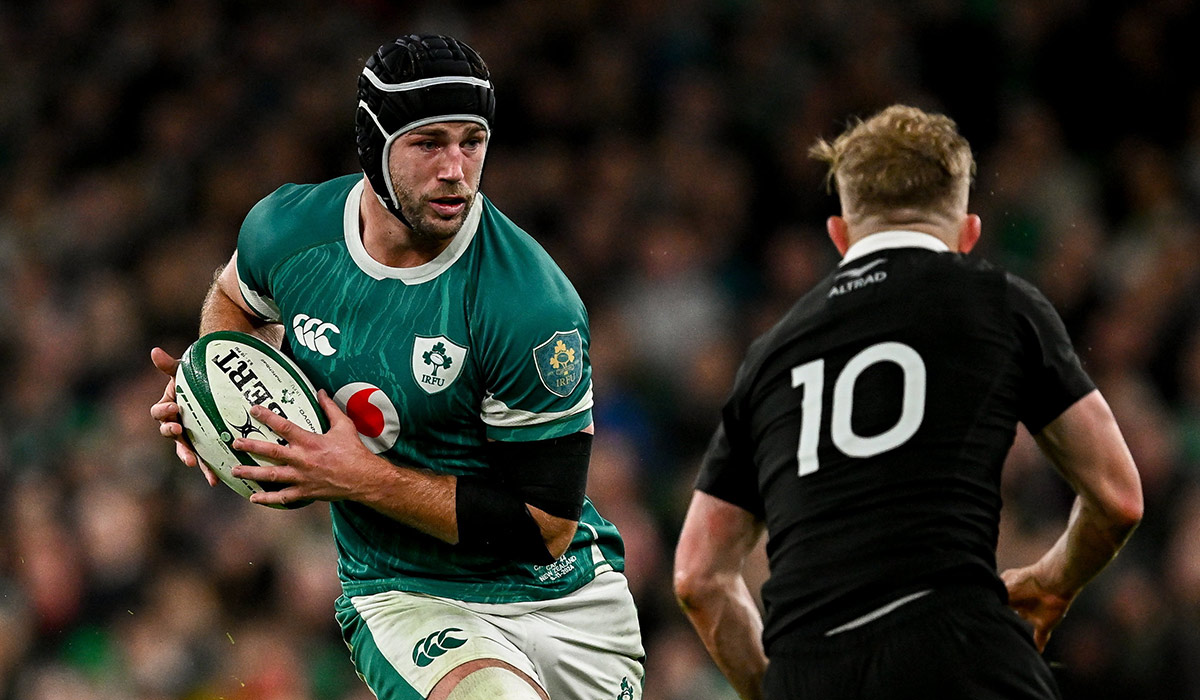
{"points": [[403, 644], [588, 644], [487, 679]]}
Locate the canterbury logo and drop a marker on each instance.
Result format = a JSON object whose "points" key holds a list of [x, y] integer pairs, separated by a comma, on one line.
{"points": [[435, 645], [315, 334]]}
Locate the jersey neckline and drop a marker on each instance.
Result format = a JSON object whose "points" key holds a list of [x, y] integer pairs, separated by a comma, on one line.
{"points": [[885, 240], [408, 275]]}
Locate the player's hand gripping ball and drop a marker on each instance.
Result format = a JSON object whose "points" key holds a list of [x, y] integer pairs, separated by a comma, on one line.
{"points": [[219, 378]]}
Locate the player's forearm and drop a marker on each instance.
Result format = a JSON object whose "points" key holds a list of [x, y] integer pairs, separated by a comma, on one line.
{"points": [[1091, 540], [429, 502], [418, 498], [1087, 447], [729, 624]]}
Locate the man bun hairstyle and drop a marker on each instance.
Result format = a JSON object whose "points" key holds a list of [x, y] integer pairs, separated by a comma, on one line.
{"points": [[900, 158], [414, 81]]}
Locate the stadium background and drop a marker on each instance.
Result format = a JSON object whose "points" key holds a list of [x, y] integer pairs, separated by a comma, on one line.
{"points": [[658, 150]]}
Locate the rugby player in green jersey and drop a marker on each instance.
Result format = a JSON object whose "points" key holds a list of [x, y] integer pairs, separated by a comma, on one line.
{"points": [[452, 358]]}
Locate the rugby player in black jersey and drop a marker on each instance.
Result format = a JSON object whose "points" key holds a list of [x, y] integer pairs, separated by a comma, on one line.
{"points": [[866, 433]]}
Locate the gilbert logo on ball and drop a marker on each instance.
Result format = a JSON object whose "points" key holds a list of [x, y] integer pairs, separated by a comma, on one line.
{"points": [[219, 378], [373, 413]]}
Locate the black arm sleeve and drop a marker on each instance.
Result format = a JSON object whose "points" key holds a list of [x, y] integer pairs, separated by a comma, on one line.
{"points": [[495, 521], [550, 475]]}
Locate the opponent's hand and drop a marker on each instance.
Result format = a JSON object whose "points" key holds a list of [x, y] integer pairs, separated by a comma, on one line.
{"points": [[1032, 600], [166, 412], [332, 466]]}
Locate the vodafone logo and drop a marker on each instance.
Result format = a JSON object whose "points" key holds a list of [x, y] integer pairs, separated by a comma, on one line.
{"points": [[373, 414]]}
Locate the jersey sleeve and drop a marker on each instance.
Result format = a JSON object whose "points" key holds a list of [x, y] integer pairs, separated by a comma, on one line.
{"points": [[727, 470], [1052, 377], [538, 378], [256, 255]]}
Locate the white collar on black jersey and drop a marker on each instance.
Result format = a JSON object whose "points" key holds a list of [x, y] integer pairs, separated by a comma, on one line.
{"points": [[885, 240], [407, 275]]}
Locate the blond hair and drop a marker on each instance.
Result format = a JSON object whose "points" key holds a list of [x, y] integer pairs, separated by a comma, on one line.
{"points": [[902, 158]]}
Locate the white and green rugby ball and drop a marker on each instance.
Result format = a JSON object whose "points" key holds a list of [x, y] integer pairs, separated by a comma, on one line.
{"points": [[219, 378]]}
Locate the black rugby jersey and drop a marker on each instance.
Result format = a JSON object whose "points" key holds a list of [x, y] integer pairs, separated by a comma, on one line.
{"points": [[868, 428]]}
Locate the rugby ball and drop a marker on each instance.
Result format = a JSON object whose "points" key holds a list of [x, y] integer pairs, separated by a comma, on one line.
{"points": [[220, 377]]}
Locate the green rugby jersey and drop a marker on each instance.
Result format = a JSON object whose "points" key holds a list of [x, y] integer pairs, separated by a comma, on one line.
{"points": [[487, 341]]}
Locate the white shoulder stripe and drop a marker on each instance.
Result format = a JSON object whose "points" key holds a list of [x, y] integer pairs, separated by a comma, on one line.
{"points": [[599, 563], [263, 305], [497, 414]]}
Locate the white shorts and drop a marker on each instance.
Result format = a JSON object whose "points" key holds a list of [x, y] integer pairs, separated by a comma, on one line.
{"points": [[584, 646]]}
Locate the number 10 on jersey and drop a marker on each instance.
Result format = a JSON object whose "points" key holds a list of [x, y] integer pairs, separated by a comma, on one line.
{"points": [[811, 377]]}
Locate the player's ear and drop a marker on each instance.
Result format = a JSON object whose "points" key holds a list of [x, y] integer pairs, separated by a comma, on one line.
{"points": [[839, 233], [969, 232]]}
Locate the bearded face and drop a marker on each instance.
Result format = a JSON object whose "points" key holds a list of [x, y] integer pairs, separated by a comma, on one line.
{"points": [[435, 171]]}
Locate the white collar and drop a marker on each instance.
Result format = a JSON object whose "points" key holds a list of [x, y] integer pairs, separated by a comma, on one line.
{"points": [[885, 240], [408, 275]]}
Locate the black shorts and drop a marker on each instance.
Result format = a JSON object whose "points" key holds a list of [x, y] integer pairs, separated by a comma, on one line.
{"points": [[955, 644]]}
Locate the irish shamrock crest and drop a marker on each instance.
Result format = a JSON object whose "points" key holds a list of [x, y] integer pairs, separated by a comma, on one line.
{"points": [[626, 689], [436, 362], [437, 358], [559, 362]]}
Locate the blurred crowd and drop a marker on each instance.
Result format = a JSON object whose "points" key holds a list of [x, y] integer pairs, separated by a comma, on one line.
{"points": [[658, 150]]}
